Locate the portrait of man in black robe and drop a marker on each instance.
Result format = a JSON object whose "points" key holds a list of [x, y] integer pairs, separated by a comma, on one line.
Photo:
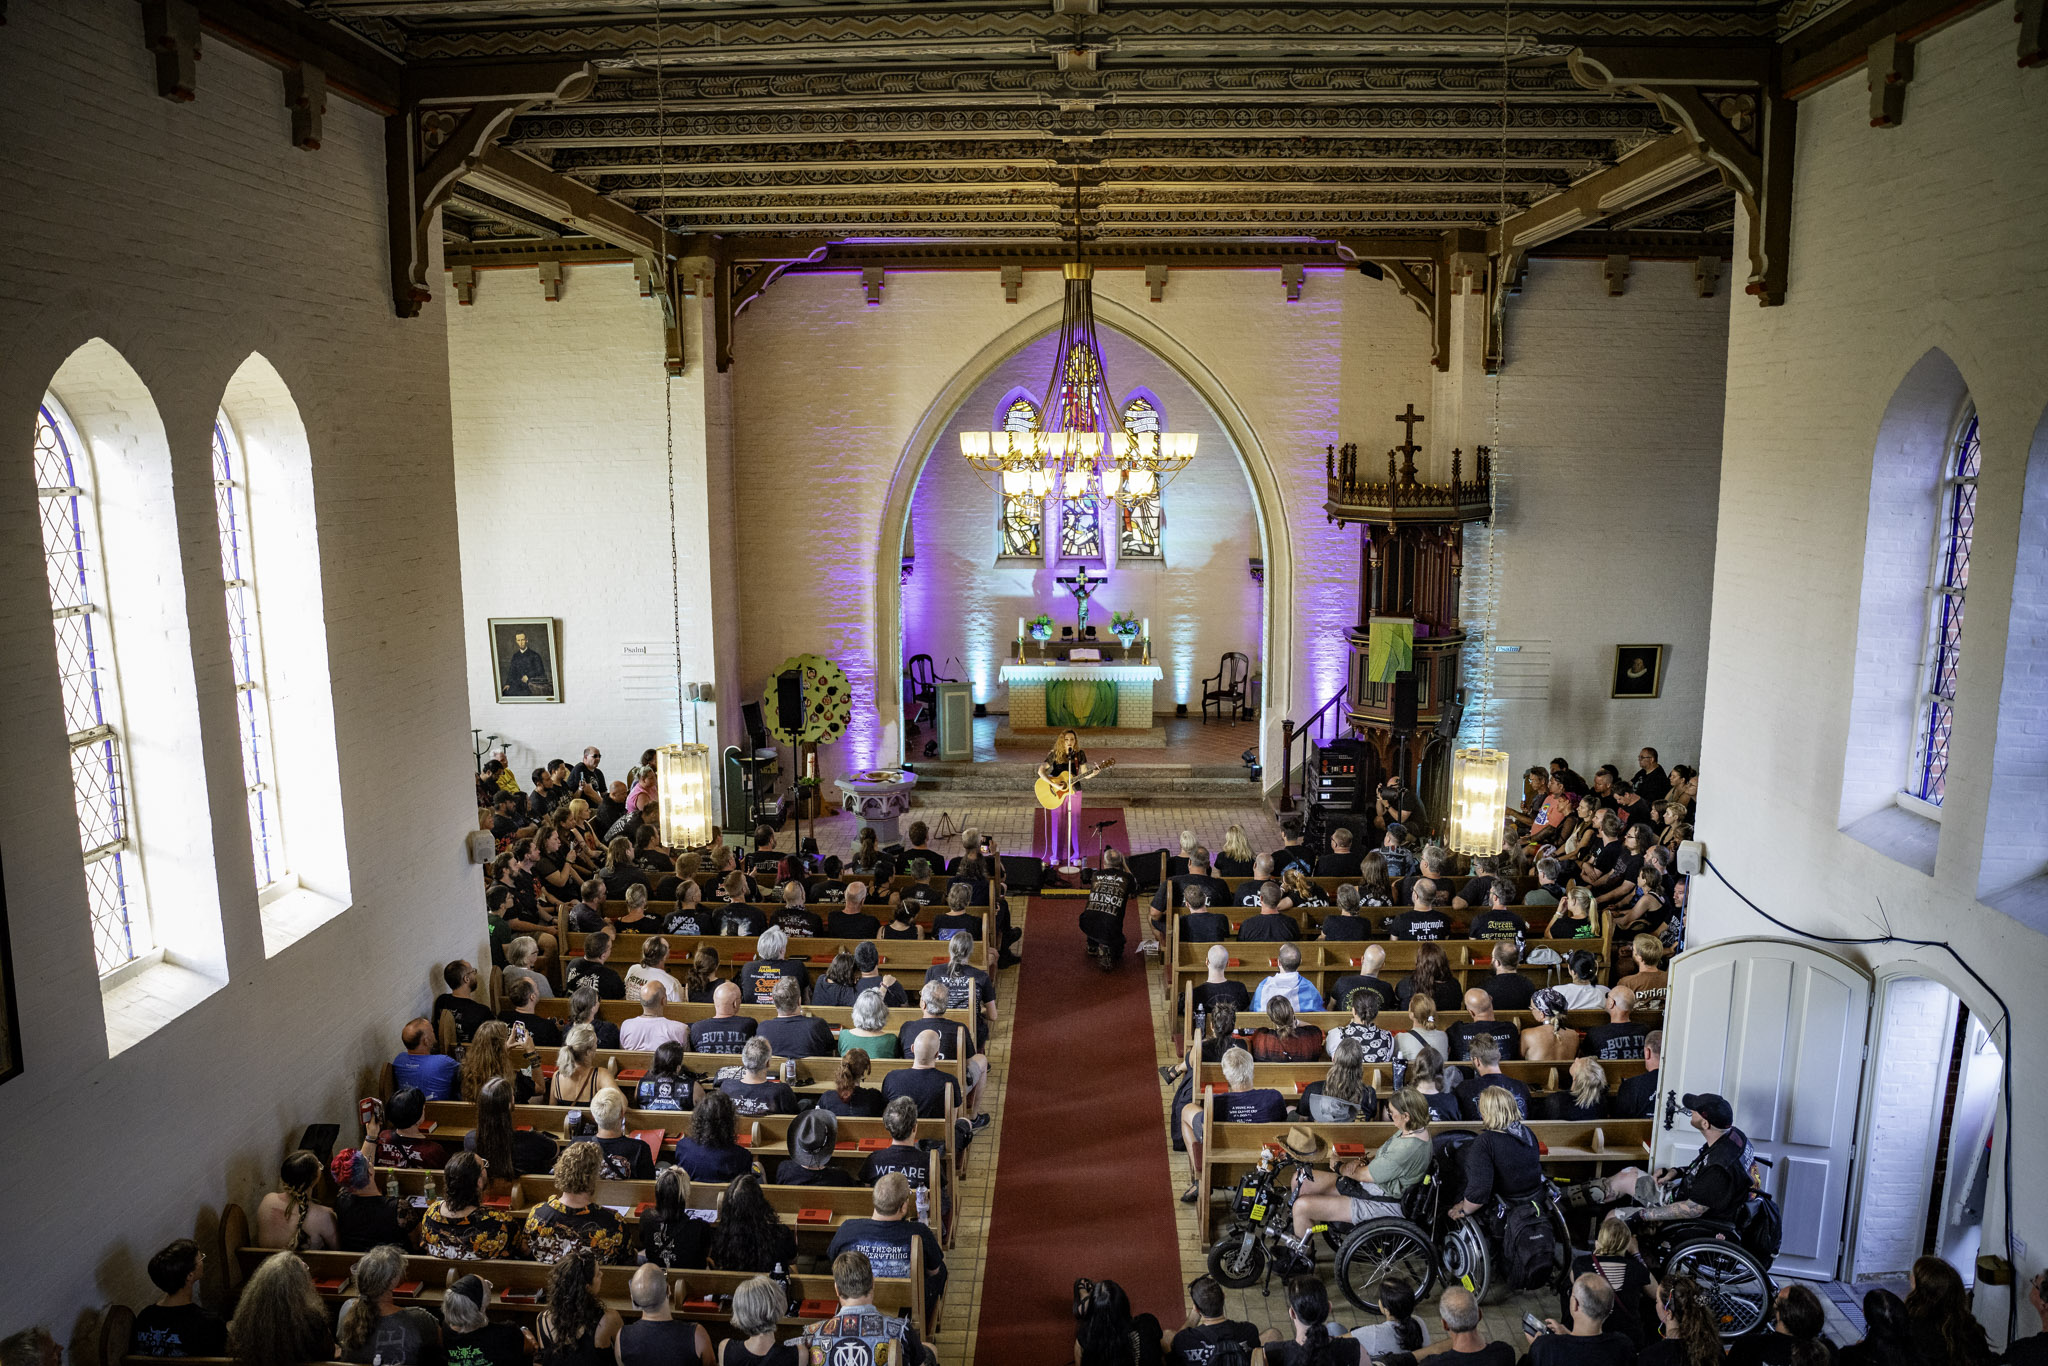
{"points": [[524, 654]]}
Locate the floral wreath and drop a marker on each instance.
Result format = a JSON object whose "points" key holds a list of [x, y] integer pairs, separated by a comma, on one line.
{"points": [[828, 701]]}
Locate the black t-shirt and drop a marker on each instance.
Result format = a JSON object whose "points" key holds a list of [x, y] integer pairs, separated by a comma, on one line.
{"points": [[1492, 1354], [928, 1086], [1475, 891], [362, 1222], [544, 1033], [722, 1035], [184, 1330], [1610, 1041], [1346, 928], [469, 1013], [1445, 995], [758, 979], [1635, 1098], [626, 1158], [866, 1103], [947, 925], [1498, 924], [961, 983], [1268, 927], [852, 925], [532, 1155], [752, 1099], [1215, 888], [833, 994], [798, 1036], [678, 1244], [494, 1344], [798, 923], [886, 1244], [1343, 1352], [1469, 1089], [1204, 927], [948, 1031], [915, 1163], [1506, 1035], [585, 918], [1426, 925], [1196, 1346], [1111, 891], [742, 920], [893, 994], [1237, 993], [1509, 990], [794, 1173], [1340, 865], [1562, 1349], [663, 1093], [610, 986], [1719, 1181], [1340, 994]]}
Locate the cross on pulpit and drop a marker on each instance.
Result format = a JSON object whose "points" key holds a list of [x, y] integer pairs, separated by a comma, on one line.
{"points": [[1082, 587], [1408, 449]]}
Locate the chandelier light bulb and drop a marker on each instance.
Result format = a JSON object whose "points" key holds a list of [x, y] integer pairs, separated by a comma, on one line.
{"points": [[975, 445]]}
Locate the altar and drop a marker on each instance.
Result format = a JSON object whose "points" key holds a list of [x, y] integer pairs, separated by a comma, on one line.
{"points": [[1054, 695]]}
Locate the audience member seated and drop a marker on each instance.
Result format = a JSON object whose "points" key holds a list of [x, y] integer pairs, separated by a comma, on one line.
{"points": [[1488, 1077], [1297, 890], [1431, 978], [1313, 1342], [1549, 1039], [727, 1031], [458, 1227], [1342, 861], [507, 1150], [585, 1008], [1353, 1191], [397, 1141], [520, 956], [592, 969], [1422, 1031], [1614, 1259], [856, 1316], [885, 1238], [625, 1158], [1215, 889], [1649, 981], [848, 1096], [570, 1219], [433, 1074], [658, 1337], [922, 1082], [1637, 1095], [1345, 924], [903, 1155], [176, 1325], [756, 1093], [903, 922], [1267, 925], [620, 871], [1106, 1333], [1367, 977], [1549, 889], [959, 917], [652, 1028], [701, 983], [966, 985], [579, 1074], [1462, 1343], [771, 964], [793, 1034], [870, 1030], [1938, 1312], [1588, 1341], [1247, 890], [1288, 985], [1689, 1337], [952, 1040], [839, 985], [1422, 920], [489, 1056], [794, 919], [1483, 1025], [748, 1235], [1288, 1038], [653, 967], [853, 920], [1207, 1329], [1620, 1037], [576, 1329], [690, 916], [710, 1151], [665, 1086], [374, 1326], [670, 1236], [636, 920], [1240, 1104], [1798, 1320], [1342, 1095], [1583, 992], [1398, 1329], [739, 917], [812, 1139], [1586, 1098], [1509, 989], [1374, 1044], [1493, 919], [758, 1306], [469, 1338]]}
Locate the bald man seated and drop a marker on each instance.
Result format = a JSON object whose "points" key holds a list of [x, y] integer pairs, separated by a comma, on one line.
{"points": [[727, 1031], [1479, 1005]]}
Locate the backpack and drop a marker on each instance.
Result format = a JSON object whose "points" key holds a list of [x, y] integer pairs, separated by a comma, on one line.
{"points": [[1761, 1225], [1528, 1246]]}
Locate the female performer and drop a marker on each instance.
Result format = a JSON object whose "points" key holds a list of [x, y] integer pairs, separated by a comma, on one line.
{"points": [[1069, 761]]}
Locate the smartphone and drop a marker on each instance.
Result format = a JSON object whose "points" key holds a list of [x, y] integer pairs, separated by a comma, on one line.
{"points": [[1533, 1326]]}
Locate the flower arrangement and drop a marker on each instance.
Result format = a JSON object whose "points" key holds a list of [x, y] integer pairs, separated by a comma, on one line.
{"points": [[1040, 627]]}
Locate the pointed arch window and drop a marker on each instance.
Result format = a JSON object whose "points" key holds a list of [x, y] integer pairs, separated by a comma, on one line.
{"points": [[245, 652], [92, 699], [1956, 521], [1021, 522], [1141, 520]]}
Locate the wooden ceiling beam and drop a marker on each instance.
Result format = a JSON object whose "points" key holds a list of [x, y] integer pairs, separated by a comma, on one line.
{"points": [[526, 183], [1838, 44], [287, 38]]}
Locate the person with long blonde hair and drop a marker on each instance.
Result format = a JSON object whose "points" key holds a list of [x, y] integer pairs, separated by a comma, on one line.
{"points": [[1235, 860], [1067, 763], [1587, 1097], [280, 1319], [490, 1055], [578, 1073]]}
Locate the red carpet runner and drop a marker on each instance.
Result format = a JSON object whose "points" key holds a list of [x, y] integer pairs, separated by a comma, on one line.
{"points": [[1082, 1187]]}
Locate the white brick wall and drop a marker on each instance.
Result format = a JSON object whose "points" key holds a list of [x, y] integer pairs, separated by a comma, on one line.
{"points": [[1905, 1120], [1928, 235], [189, 236], [1610, 413], [2016, 824]]}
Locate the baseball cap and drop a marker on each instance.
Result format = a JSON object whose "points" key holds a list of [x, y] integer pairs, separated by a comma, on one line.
{"points": [[470, 1288], [1710, 1107]]}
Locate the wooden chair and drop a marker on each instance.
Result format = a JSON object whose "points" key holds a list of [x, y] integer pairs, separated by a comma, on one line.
{"points": [[1229, 688], [920, 688]]}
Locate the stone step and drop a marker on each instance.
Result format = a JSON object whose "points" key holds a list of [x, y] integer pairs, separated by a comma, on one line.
{"points": [[1155, 783]]}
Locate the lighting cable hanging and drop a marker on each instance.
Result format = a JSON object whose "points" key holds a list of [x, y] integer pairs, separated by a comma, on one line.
{"points": [[1081, 449]]}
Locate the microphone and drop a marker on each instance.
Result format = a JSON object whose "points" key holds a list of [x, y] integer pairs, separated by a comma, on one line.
{"points": [[1104, 825]]}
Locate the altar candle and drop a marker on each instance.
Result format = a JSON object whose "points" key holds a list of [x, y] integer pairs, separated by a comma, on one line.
{"points": [[1020, 630], [1146, 630]]}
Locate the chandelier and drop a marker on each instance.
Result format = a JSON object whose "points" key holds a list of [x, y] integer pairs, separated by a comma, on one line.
{"points": [[1082, 450]]}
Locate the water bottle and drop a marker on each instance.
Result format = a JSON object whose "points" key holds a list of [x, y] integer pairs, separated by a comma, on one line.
{"points": [[924, 1205], [789, 1069], [391, 1185]]}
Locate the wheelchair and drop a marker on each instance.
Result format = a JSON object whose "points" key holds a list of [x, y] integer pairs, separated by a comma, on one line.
{"points": [[1735, 1284], [1423, 1245]]}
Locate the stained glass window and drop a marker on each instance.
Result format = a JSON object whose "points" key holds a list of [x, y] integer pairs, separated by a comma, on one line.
{"points": [[1945, 596], [1022, 518], [92, 704], [1141, 518], [245, 651], [1080, 529]]}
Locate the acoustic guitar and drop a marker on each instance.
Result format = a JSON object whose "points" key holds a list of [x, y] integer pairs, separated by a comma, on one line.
{"points": [[1053, 792]]}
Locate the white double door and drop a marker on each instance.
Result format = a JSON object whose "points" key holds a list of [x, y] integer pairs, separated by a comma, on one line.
{"points": [[1780, 1029]]}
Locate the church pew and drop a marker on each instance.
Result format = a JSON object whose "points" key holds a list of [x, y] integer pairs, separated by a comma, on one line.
{"points": [[1395, 1021], [905, 959], [1323, 962], [689, 1012], [813, 1075], [1229, 1151], [1290, 1078], [521, 1286]]}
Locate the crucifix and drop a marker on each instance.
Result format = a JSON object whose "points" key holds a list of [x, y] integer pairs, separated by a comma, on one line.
{"points": [[1408, 448], [1082, 588]]}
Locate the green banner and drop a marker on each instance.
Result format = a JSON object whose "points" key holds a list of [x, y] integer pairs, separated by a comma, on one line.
{"points": [[1082, 703], [1390, 646]]}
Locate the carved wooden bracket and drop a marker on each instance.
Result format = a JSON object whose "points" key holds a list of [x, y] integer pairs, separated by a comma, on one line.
{"points": [[1705, 272], [2028, 14], [1013, 283], [551, 281], [170, 29], [446, 123], [1889, 67], [462, 279], [745, 271], [1155, 281], [1292, 275], [305, 95], [1616, 271], [872, 279], [1729, 100], [1418, 283]]}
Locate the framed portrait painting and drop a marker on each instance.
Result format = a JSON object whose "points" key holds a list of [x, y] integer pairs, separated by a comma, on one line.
{"points": [[1638, 670], [524, 659]]}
